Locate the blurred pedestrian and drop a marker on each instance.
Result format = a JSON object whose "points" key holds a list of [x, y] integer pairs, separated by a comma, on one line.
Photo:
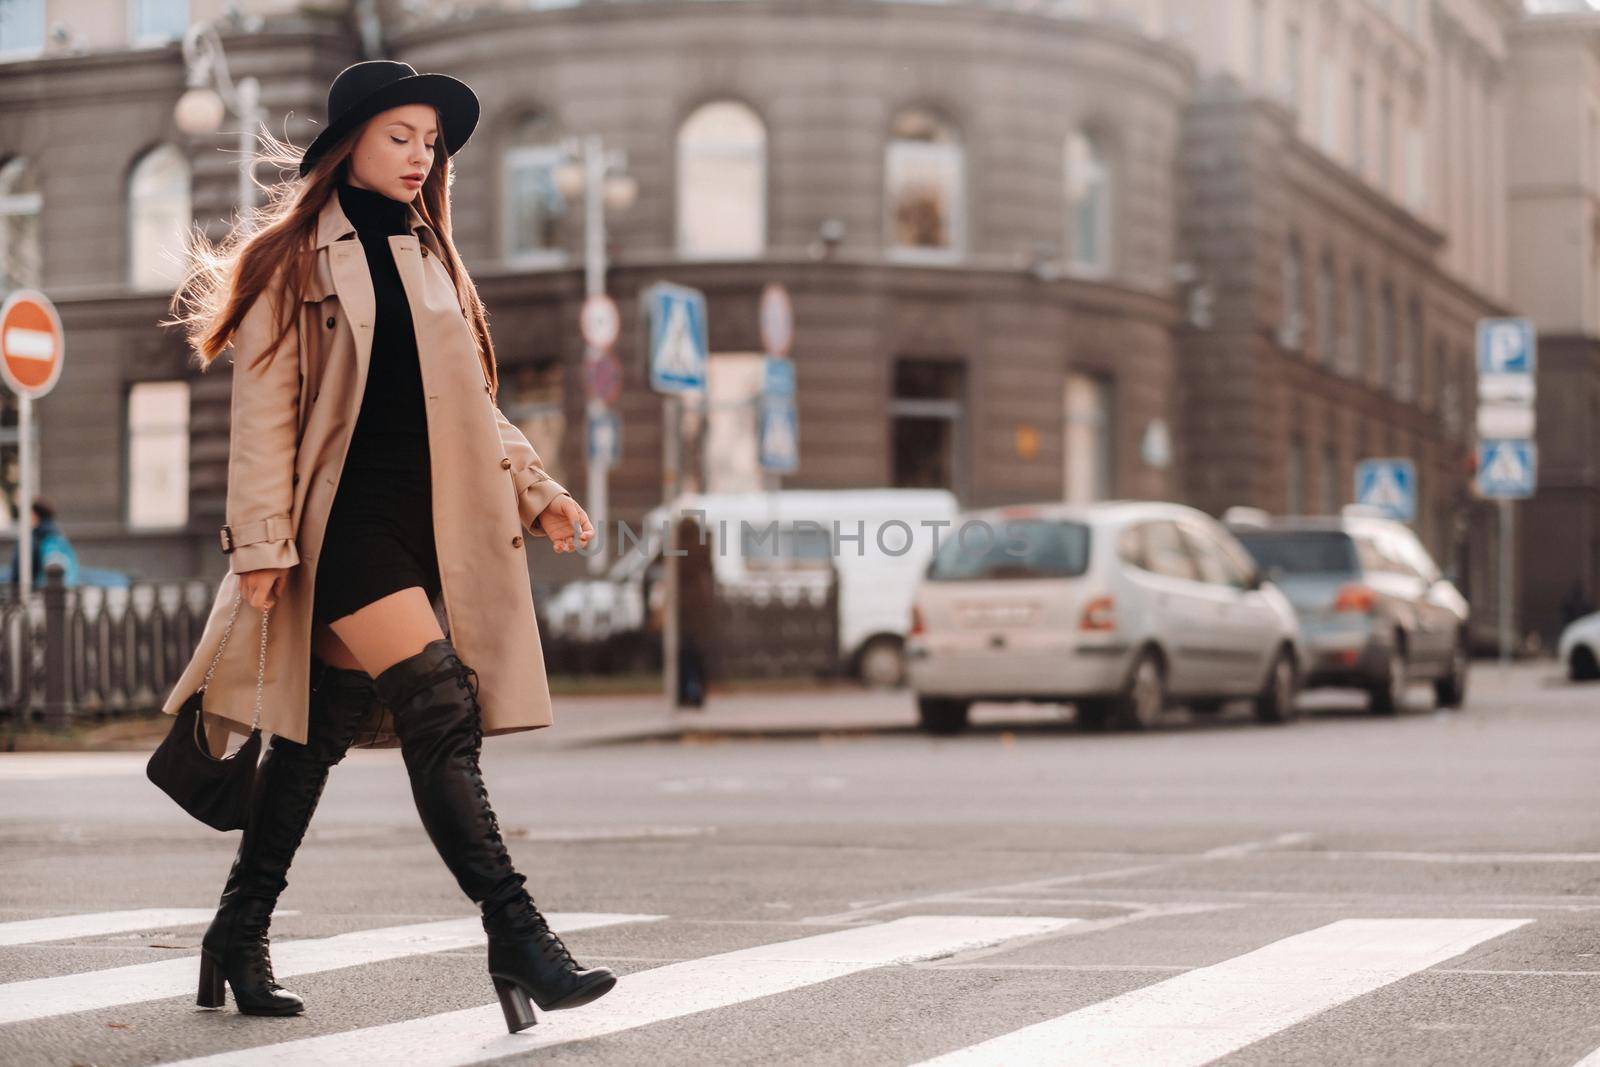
{"points": [[697, 607], [50, 545]]}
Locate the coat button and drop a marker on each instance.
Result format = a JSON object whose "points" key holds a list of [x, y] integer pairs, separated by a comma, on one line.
{"points": [[516, 541], [505, 464], [294, 479], [424, 250], [330, 322]]}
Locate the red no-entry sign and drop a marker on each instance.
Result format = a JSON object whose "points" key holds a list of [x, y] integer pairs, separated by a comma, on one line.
{"points": [[31, 343]]}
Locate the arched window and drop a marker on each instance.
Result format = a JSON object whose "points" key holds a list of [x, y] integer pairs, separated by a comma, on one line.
{"points": [[159, 217], [925, 176], [722, 182], [531, 201], [1327, 311], [1291, 331], [1088, 187], [21, 263]]}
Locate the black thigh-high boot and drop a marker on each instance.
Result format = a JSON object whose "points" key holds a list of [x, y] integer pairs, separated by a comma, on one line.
{"points": [[288, 785], [433, 697]]}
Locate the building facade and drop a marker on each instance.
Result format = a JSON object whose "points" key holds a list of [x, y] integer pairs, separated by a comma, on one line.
{"points": [[1027, 244]]}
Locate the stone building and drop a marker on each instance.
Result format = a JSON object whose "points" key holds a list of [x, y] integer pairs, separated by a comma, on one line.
{"points": [[1554, 263], [1025, 242]]}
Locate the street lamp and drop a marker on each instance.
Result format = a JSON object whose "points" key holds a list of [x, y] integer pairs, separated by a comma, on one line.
{"points": [[201, 109], [600, 177]]}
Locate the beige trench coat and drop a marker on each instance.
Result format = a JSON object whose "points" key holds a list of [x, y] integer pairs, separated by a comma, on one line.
{"points": [[292, 414]]}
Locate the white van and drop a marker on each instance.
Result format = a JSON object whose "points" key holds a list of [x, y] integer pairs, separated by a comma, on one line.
{"points": [[878, 540]]}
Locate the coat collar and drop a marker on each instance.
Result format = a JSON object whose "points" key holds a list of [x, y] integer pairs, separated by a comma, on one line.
{"points": [[333, 224]]}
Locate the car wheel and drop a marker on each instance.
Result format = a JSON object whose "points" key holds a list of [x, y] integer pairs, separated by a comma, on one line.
{"points": [[1388, 696], [1278, 699], [1451, 690], [1142, 700], [941, 715], [1582, 666], [883, 663]]}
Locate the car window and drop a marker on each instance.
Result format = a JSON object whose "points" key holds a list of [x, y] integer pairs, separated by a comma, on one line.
{"points": [[1212, 564], [1164, 551], [1373, 560], [1300, 551], [1417, 559], [1130, 546], [1016, 548]]}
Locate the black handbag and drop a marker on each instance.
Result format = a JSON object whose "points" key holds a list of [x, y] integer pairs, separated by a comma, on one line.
{"points": [[215, 790]]}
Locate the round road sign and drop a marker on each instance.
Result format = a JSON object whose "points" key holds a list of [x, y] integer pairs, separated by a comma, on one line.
{"points": [[777, 320], [31, 343], [600, 321]]}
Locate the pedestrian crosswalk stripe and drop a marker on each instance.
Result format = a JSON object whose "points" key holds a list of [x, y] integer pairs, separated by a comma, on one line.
{"points": [[1210, 1012], [42, 998], [100, 923], [475, 1035]]}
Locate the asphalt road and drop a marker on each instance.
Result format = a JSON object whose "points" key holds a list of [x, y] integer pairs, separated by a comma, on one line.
{"points": [[1346, 889]]}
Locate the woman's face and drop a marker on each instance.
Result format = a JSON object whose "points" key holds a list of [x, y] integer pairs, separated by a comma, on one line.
{"points": [[395, 151]]}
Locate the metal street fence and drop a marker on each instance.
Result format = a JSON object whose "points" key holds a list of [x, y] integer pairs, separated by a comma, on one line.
{"points": [[96, 651]]}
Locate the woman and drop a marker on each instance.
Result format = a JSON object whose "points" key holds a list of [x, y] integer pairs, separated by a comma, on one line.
{"points": [[370, 473]]}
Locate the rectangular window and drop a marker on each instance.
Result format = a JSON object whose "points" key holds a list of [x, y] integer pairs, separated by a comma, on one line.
{"points": [[926, 424], [21, 27], [925, 198], [1415, 188], [533, 204], [1328, 106], [1293, 75], [1331, 496], [1386, 144], [156, 21], [158, 455], [1087, 438], [1358, 123], [1295, 480]]}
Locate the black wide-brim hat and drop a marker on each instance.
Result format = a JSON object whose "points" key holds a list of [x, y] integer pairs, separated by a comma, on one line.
{"points": [[364, 89]]}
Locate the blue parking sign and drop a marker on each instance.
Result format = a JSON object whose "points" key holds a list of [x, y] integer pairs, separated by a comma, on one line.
{"points": [[1506, 346], [1389, 485]]}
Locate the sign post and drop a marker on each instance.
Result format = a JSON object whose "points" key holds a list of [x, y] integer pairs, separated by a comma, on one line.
{"points": [[679, 357], [1508, 458], [600, 323], [32, 345]]}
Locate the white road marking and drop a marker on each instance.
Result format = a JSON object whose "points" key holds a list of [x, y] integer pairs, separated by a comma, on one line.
{"points": [[859, 912], [1212, 1011], [100, 923], [38, 766], [1591, 1060], [42, 998], [476, 1035]]}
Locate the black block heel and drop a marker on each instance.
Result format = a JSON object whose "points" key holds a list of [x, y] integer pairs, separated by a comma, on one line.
{"points": [[515, 1004], [213, 983]]}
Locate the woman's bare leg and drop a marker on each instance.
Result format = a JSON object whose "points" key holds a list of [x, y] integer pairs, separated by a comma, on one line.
{"points": [[388, 630], [327, 647]]}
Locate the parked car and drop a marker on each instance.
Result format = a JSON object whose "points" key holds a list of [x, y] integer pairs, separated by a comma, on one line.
{"points": [[1376, 612], [1579, 648], [884, 543], [1120, 608]]}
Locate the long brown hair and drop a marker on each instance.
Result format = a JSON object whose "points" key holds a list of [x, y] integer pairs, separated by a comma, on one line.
{"points": [[273, 246]]}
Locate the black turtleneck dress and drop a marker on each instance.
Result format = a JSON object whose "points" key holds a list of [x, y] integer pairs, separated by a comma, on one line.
{"points": [[380, 529]]}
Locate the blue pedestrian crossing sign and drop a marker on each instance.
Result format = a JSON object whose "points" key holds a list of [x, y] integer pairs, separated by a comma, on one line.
{"points": [[778, 435], [678, 352], [1506, 346], [777, 377], [1508, 468], [1389, 485], [604, 438]]}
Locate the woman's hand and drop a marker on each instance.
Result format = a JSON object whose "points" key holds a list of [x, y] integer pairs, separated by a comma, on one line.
{"points": [[262, 588], [561, 520]]}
